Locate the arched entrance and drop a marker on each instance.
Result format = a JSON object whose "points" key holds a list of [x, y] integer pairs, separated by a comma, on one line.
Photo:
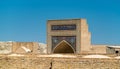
{"points": [[63, 47]]}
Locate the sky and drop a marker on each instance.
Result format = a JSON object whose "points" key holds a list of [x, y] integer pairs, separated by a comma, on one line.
{"points": [[25, 20]]}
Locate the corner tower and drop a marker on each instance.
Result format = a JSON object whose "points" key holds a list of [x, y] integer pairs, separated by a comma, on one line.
{"points": [[68, 36]]}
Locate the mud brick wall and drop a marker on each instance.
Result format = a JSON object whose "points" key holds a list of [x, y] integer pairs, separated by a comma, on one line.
{"points": [[32, 62], [24, 63], [80, 63]]}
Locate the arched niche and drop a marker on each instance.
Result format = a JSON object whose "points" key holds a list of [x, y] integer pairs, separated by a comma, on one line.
{"points": [[63, 47]]}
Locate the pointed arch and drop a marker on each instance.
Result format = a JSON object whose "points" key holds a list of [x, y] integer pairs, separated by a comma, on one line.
{"points": [[63, 47]]}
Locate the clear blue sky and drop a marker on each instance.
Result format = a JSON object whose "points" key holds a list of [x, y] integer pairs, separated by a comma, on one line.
{"points": [[25, 20]]}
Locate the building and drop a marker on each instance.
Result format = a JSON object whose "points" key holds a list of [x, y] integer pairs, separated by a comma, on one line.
{"points": [[73, 36], [68, 36]]}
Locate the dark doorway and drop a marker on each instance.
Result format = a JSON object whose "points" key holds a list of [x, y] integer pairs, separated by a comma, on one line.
{"points": [[116, 52]]}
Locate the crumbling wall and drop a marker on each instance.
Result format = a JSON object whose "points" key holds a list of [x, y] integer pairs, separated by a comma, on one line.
{"points": [[81, 63], [5, 47], [24, 63], [99, 49], [42, 48], [33, 62], [29, 47]]}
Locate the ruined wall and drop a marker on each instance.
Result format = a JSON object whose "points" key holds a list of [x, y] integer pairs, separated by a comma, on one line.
{"points": [[32, 62], [102, 49], [86, 64], [29, 47], [42, 48], [24, 62], [22, 47], [99, 49], [5, 47]]}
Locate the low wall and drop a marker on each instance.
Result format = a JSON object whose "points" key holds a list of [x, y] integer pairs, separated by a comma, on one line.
{"points": [[32, 62], [86, 64], [24, 63]]}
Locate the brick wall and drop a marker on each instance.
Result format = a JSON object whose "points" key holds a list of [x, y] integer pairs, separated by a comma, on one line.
{"points": [[32, 62]]}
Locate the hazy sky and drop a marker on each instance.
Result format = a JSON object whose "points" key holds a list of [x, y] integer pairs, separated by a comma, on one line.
{"points": [[25, 20]]}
